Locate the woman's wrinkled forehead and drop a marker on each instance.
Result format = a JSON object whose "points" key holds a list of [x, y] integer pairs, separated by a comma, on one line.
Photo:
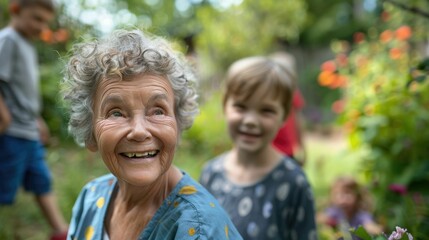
{"points": [[131, 82]]}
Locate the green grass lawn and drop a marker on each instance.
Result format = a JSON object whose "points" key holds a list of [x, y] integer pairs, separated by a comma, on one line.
{"points": [[72, 167]]}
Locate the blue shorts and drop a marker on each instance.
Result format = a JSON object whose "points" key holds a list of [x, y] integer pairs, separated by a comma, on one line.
{"points": [[22, 164]]}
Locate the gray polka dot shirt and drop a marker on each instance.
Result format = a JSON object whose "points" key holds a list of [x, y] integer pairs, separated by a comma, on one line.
{"points": [[280, 206]]}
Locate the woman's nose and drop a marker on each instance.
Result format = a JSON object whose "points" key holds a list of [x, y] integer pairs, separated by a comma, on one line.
{"points": [[138, 129]]}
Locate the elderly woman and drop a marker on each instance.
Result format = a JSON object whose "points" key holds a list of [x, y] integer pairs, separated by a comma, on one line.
{"points": [[130, 97]]}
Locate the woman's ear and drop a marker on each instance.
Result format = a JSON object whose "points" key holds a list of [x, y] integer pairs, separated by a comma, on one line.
{"points": [[14, 8], [91, 145]]}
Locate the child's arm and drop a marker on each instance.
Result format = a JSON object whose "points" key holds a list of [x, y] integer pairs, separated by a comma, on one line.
{"points": [[373, 228], [43, 131], [5, 117]]}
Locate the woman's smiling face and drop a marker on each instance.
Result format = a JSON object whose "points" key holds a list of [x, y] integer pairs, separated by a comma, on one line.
{"points": [[135, 127]]}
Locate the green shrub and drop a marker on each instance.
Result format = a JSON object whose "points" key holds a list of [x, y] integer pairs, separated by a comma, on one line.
{"points": [[385, 108], [208, 134]]}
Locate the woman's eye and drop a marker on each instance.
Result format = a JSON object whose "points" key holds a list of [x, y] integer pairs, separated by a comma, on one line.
{"points": [[115, 114], [158, 111]]}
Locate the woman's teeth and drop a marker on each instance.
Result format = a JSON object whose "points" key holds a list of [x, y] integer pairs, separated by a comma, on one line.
{"points": [[141, 155]]}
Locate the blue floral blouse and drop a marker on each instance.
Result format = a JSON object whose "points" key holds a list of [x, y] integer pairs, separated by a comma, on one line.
{"points": [[188, 212]]}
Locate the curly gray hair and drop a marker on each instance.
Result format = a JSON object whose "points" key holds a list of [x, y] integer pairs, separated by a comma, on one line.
{"points": [[124, 53]]}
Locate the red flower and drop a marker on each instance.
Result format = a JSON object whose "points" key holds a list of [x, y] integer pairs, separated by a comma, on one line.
{"points": [[398, 188], [338, 106], [385, 16], [328, 66], [358, 37], [341, 59], [332, 222]]}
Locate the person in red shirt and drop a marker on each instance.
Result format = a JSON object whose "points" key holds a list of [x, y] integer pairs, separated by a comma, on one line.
{"points": [[289, 139]]}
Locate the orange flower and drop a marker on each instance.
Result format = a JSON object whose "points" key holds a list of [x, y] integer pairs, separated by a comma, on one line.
{"points": [[61, 35], [341, 81], [337, 81], [47, 35], [328, 66], [403, 33], [395, 53], [386, 36], [326, 78]]}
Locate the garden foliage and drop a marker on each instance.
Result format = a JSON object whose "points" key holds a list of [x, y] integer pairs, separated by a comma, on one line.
{"points": [[385, 110]]}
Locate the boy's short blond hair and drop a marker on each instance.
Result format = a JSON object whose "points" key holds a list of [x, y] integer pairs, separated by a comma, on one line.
{"points": [[247, 75], [47, 4]]}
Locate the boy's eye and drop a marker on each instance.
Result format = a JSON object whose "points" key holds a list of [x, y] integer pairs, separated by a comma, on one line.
{"points": [[239, 106], [268, 110]]}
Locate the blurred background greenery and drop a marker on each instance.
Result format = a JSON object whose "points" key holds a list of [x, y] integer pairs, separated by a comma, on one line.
{"points": [[362, 67]]}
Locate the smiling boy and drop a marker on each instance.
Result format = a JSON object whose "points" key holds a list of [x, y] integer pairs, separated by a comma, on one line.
{"points": [[24, 132], [265, 192]]}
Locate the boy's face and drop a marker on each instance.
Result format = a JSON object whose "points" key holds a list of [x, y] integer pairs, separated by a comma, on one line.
{"points": [[31, 20], [253, 123]]}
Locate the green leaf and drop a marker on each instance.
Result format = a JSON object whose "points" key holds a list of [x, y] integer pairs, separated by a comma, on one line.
{"points": [[362, 233], [406, 237], [420, 78], [424, 65]]}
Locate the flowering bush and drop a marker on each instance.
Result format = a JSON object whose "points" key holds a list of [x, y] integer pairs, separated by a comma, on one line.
{"points": [[398, 234], [385, 110]]}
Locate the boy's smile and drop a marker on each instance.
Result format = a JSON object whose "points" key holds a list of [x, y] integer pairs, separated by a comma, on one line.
{"points": [[253, 123]]}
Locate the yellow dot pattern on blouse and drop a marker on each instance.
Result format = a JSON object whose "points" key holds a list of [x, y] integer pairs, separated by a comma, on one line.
{"points": [[100, 202], [176, 203], [212, 204], [89, 233], [191, 231], [187, 190], [226, 231]]}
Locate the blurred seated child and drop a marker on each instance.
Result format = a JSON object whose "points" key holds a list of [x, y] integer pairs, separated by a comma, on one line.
{"points": [[349, 205]]}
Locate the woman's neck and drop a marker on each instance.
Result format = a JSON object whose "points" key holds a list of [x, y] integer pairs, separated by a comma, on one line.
{"points": [[132, 196], [133, 207]]}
